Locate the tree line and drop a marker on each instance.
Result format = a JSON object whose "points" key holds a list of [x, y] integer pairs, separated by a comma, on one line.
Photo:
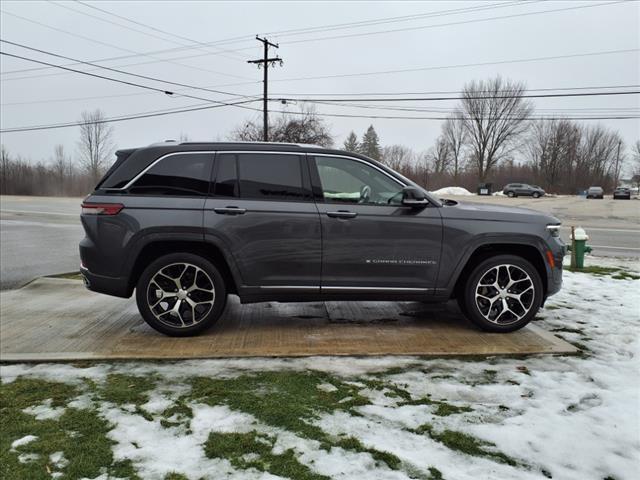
{"points": [[491, 136], [63, 174]]}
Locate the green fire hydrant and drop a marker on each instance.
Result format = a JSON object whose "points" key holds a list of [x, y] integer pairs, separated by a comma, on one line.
{"points": [[578, 247]]}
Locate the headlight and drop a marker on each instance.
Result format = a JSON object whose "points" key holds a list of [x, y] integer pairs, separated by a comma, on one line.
{"points": [[554, 230]]}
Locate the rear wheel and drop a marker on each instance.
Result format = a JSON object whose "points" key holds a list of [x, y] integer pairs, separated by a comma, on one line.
{"points": [[181, 294], [502, 294], [511, 194]]}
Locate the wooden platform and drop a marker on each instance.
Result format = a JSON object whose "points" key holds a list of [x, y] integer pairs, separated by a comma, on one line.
{"points": [[56, 319]]}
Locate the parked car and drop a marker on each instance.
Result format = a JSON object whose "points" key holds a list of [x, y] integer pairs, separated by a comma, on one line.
{"points": [[622, 193], [595, 192], [186, 224], [522, 189]]}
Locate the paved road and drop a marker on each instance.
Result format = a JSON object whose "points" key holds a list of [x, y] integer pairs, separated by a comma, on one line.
{"points": [[613, 226], [40, 235]]}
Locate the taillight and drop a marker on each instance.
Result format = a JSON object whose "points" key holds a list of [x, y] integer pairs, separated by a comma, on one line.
{"points": [[101, 208]]}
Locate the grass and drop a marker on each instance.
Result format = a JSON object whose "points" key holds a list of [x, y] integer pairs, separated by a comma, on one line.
{"points": [[124, 389], [615, 272], [253, 450], [466, 444], [263, 395], [80, 433]]}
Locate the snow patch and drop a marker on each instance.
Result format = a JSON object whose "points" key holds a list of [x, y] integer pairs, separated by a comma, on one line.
{"points": [[45, 411], [28, 457], [327, 387], [23, 441], [453, 191], [58, 460]]}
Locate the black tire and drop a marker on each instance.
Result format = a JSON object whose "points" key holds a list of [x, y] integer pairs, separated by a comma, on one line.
{"points": [[506, 320], [202, 294], [536, 195], [511, 194]]}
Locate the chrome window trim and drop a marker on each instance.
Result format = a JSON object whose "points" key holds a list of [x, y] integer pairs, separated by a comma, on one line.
{"points": [[361, 161], [200, 152], [155, 162]]}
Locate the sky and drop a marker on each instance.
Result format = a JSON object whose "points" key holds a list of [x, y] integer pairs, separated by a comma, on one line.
{"points": [[440, 47]]}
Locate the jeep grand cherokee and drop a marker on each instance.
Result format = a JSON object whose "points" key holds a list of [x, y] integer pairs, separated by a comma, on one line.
{"points": [[186, 224]]}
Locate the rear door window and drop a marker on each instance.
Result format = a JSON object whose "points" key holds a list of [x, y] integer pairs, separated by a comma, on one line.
{"points": [[260, 176], [181, 174]]}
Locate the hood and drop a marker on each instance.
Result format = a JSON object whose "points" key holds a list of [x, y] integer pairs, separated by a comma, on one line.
{"points": [[485, 211]]}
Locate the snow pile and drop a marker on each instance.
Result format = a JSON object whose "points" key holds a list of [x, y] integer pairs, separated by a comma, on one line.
{"points": [[453, 191]]}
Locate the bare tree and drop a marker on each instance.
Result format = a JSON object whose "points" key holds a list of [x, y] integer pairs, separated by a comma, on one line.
{"points": [[598, 155], [553, 147], [60, 167], [397, 157], [440, 156], [455, 135], [96, 143], [305, 127], [5, 163], [494, 115], [635, 171]]}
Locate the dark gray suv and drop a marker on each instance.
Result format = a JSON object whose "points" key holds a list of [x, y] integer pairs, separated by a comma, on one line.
{"points": [[186, 224], [523, 189]]}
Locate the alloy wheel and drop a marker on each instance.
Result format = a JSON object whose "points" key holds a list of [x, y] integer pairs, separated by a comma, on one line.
{"points": [[180, 295], [504, 294]]}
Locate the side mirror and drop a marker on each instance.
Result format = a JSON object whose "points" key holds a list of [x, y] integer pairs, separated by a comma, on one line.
{"points": [[412, 197]]}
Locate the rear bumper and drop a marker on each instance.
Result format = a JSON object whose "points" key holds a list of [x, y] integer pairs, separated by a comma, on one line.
{"points": [[116, 286]]}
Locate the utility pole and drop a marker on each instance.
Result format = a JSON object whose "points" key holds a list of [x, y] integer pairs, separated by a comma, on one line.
{"points": [[264, 63]]}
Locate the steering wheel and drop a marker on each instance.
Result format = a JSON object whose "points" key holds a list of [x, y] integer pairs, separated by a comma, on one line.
{"points": [[365, 194]]}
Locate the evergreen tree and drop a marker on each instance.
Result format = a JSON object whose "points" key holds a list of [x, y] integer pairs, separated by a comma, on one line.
{"points": [[370, 145], [351, 144]]}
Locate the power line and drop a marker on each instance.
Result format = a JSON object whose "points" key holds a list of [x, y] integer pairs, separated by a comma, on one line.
{"points": [[436, 99], [164, 32], [404, 18], [121, 118], [610, 110], [146, 87], [206, 107], [155, 79], [446, 67], [445, 92], [99, 42], [462, 22], [390, 117], [437, 92], [282, 32]]}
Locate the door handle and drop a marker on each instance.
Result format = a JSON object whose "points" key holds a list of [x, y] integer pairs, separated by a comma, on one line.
{"points": [[342, 214], [230, 210]]}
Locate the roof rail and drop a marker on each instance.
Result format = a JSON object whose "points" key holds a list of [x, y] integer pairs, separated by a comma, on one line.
{"points": [[160, 144], [289, 144]]}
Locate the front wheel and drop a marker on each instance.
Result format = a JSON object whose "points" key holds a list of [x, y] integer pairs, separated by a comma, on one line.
{"points": [[536, 195], [502, 294], [181, 294]]}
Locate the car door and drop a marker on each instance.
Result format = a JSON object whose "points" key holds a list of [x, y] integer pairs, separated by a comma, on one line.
{"points": [[523, 189], [261, 210], [370, 241]]}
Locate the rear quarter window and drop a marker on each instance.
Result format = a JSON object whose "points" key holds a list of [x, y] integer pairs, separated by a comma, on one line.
{"points": [[180, 174]]}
